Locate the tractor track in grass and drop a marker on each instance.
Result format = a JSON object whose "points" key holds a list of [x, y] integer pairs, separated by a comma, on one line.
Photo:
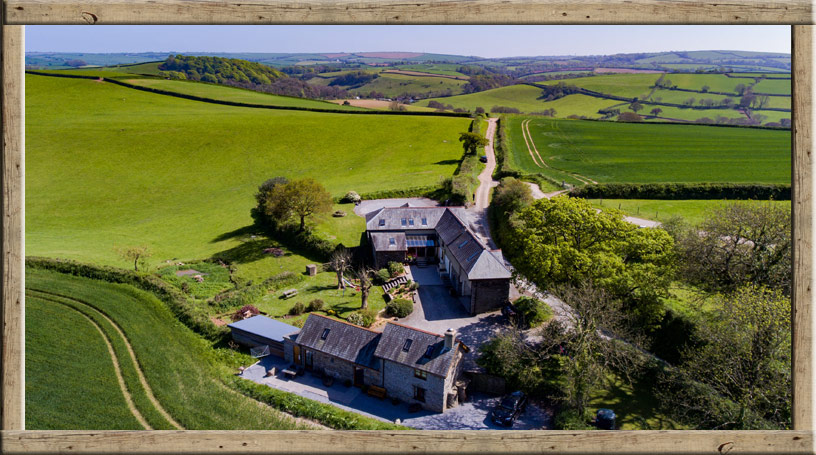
{"points": [[114, 359], [51, 296], [533, 150]]}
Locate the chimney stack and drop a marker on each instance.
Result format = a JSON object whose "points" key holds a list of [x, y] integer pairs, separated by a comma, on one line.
{"points": [[450, 339]]}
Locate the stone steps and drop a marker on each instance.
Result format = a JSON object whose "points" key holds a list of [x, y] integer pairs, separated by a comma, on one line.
{"points": [[394, 283]]}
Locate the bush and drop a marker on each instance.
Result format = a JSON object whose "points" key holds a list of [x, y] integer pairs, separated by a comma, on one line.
{"points": [[244, 311], [250, 294], [413, 285], [351, 198], [399, 308], [676, 191], [315, 305], [330, 312], [532, 312], [297, 309], [383, 275], [570, 420], [363, 318], [395, 269]]}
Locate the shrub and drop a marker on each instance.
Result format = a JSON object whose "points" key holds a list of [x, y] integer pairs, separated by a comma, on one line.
{"points": [[297, 309], [395, 269], [315, 305], [363, 318], [778, 192], [383, 275], [245, 310], [532, 312], [399, 308], [251, 293], [570, 420], [330, 312], [413, 285], [351, 198], [355, 318]]}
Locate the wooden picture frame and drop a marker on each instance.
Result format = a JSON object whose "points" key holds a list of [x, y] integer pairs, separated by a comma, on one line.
{"points": [[16, 13]]}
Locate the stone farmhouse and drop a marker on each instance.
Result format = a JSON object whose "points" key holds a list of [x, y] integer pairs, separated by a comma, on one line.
{"points": [[437, 235], [400, 362]]}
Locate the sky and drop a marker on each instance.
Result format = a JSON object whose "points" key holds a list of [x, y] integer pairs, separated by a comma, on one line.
{"points": [[471, 40]]}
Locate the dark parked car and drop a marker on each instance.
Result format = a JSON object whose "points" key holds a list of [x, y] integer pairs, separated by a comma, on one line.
{"points": [[510, 407], [483, 158], [605, 419], [509, 311]]}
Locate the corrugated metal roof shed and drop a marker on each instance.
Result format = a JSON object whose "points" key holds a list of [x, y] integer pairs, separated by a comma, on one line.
{"points": [[264, 327]]}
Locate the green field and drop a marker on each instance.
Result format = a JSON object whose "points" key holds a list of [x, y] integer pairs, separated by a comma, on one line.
{"points": [[238, 95], [636, 85], [446, 69], [525, 99], [639, 153], [110, 167], [693, 211], [70, 379], [715, 82], [679, 113], [182, 370], [775, 86], [392, 85]]}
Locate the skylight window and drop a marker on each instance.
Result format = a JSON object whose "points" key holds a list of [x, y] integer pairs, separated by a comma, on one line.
{"points": [[382, 222], [470, 258], [324, 334], [464, 243], [407, 345], [392, 241], [428, 351]]}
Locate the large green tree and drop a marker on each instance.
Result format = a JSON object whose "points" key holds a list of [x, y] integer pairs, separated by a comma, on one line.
{"points": [[566, 241], [279, 200], [471, 142]]}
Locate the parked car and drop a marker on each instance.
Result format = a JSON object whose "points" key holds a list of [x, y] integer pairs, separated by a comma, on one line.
{"points": [[483, 158], [509, 408], [509, 311]]}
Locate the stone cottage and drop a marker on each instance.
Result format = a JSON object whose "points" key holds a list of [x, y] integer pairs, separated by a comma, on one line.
{"points": [[406, 363], [437, 235]]}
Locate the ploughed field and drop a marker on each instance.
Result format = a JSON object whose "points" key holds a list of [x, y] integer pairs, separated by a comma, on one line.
{"points": [[610, 152], [109, 166]]}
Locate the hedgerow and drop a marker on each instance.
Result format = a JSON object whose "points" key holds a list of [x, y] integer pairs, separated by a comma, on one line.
{"points": [[779, 192]]}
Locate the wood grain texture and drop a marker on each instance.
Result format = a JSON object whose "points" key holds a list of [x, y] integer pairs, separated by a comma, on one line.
{"points": [[802, 105], [12, 243], [408, 12], [407, 442]]}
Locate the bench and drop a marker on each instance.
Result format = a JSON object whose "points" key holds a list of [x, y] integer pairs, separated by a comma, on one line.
{"points": [[289, 293], [289, 373], [375, 391]]}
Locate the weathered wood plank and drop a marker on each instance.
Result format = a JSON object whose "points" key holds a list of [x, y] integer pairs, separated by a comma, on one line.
{"points": [[802, 367], [12, 244], [405, 442], [408, 12]]}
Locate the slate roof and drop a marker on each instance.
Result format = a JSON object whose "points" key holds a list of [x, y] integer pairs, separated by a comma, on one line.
{"points": [[345, 341], [393, 340], [382, 241], [467, 250], [264, 327]]}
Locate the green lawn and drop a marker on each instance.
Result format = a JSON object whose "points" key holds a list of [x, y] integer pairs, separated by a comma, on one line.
{"points": [[635, 407], [182, 370], [238, 95], [693, 211], [70, 380], [109, 166], [640, 153]]}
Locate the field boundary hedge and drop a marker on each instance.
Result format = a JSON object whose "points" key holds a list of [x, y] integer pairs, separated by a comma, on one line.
{"points": [[185, 311], [251, 105], [677, 191]]}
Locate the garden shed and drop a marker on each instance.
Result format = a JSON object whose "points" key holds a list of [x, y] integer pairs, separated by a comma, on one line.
{"points": [[262, 331]]}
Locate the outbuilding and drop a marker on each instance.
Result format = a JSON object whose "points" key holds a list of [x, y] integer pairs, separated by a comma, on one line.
{"points": [[262, 331]]}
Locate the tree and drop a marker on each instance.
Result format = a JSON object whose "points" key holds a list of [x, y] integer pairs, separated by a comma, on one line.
{"points": [[636, 106], [270, 201], [340, 261], [137, 254], [705, 89], [740, 89], [364, 275], [629, 117], [471, 142], [737, 244], [511, 195], [479, 110], [745, 358], [396, 106], [656, 111], [566, 241]]}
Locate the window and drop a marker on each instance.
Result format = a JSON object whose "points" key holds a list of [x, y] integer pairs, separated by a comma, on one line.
{"points": [[382, 222], [419, 394], [428, 351], [470, 258], [411, 221], [407, 345], [403, 222], [420, 374], [424, 221], [464, 243], [391, 241], [324, 334]]}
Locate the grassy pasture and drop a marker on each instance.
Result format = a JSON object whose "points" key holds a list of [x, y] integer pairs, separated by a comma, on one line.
{"points": [[70, 380], [446, 69], [775, 86], [238, 95], [640, 153], [678, 97], [109, 166], [715, 82], [180, 367], [693, 211], [671, 112], [392, 85], [142, 68], [628, 85], [525, 99]]}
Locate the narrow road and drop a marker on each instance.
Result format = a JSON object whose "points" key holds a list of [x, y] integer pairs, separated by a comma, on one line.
{"points": [[486, 181]]}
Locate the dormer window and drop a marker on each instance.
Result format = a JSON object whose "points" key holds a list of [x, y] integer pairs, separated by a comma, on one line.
{"points": [[407, 345], [411, 221], [404, 222], [382, 222], [428, 351], [424, 221], [392, 241], [324, 334]]}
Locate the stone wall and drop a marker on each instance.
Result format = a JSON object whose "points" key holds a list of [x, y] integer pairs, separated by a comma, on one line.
{"points": [[382, 258], [400, 382], [489, 295]]}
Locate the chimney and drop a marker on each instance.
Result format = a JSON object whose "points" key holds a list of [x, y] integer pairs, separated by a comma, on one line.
{"points": [[450, 338]]}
